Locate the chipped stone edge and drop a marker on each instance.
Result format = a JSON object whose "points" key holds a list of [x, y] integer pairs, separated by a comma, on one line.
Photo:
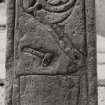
{"points": [[91, 52], [9, 65]]}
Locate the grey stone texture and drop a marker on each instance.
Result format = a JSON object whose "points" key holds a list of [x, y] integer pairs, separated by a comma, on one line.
{"points": [[49, 90], [51, 52]]}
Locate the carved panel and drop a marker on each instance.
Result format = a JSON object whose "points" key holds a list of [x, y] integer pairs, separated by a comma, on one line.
{"points": [[51, 53], [49, 90], [52, 38]]}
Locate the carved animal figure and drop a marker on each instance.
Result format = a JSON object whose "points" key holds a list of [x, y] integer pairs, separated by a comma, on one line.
{"points": [[48, 41]]}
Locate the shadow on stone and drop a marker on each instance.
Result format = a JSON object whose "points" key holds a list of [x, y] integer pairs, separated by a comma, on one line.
{"points": [[2, 82]]}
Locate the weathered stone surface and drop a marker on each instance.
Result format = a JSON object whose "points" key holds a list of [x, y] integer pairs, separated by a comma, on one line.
{"points": [[51, 48], [55, 45], [49, 90], [10, 50]]}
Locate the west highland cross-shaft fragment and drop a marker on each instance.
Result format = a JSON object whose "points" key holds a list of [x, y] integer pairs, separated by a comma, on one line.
{"points": [[51, 53]]}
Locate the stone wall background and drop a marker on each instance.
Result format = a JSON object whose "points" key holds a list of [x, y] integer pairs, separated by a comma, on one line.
{"points": [[100, 23], [100, 14], [2, 39]]}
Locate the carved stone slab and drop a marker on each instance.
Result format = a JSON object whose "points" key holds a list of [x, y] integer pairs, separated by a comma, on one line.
{"points": [[51, 52]]}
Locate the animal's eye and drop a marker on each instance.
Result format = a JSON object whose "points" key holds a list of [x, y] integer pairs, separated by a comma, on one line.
{"points": [[39, 6]]}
